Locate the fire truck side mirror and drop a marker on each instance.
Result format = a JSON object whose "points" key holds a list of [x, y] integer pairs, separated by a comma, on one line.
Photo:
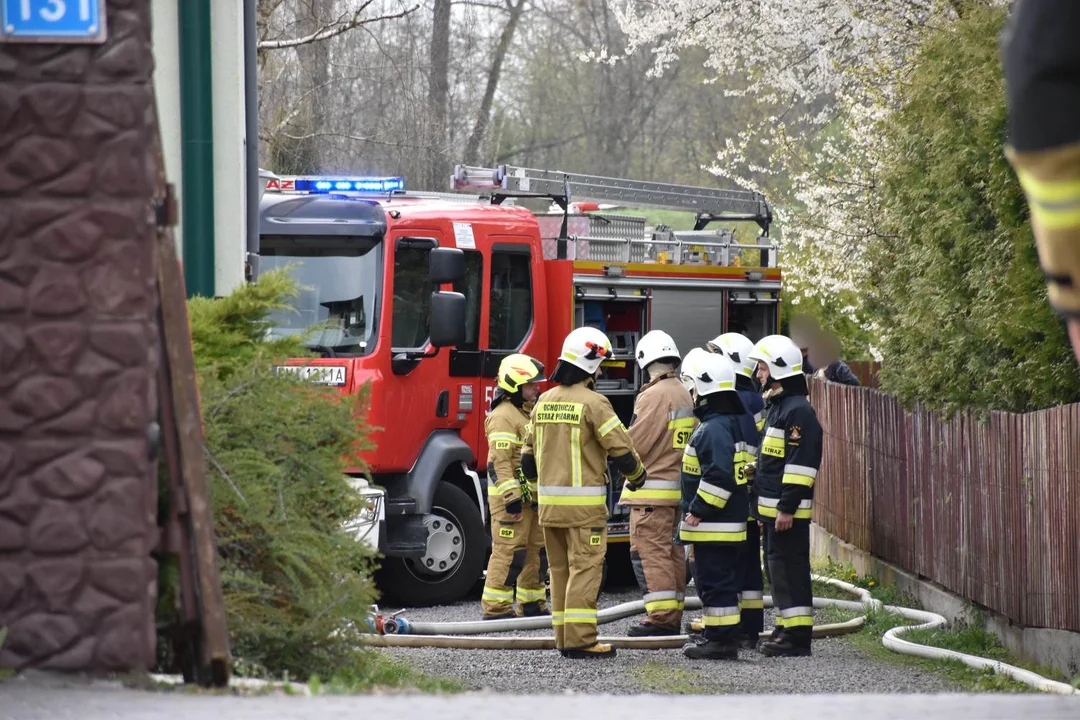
{"points": [[446, 265], [447, 325]]}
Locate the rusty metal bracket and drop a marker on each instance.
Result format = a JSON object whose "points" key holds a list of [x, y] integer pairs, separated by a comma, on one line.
{"points": [[166, 209]]}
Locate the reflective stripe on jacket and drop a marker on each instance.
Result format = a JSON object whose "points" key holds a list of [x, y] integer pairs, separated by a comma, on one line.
{"points": [[788, 459], [709, 488], [572, 431], [505, 428]]}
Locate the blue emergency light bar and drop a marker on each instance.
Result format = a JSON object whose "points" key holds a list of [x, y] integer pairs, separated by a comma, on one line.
{"points": [[367, 184]]}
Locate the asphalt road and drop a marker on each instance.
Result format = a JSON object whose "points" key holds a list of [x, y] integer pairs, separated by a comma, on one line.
{"points": [[49, 699]]}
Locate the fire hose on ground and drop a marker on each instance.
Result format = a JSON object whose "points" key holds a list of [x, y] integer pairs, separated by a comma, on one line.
{"points": [[400, 632]]}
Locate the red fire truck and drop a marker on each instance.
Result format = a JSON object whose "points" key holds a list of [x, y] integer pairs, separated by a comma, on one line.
{"points": [[423, 294]]}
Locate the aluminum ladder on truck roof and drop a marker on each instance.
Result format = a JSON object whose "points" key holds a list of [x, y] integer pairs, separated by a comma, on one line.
{"points": [[708, 204]]}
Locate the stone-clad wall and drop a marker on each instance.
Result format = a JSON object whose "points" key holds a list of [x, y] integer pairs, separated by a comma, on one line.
{"points": [[77, 350]]}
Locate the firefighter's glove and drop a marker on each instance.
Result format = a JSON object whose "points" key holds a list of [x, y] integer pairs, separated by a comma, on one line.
{"points": [[631, 468], [526, 491], [514, 508], [749, 470], [528, 467]]}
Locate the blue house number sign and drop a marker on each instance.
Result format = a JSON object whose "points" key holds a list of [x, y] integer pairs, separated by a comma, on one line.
{"points": [[52, 21]]}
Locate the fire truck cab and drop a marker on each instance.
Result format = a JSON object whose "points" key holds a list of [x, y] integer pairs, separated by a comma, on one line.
{"points": [[421, 295]]}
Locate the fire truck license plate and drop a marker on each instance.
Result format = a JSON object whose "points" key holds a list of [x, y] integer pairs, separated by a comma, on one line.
{"points": [[316, 374]]}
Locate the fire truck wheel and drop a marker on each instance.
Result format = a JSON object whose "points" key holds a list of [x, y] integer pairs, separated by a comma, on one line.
{"points": [[454, 557]]}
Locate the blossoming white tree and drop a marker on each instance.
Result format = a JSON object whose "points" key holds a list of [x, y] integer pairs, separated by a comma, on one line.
{"points": [[826, 74]]}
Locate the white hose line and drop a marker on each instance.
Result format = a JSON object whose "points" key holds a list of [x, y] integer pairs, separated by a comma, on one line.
{"points": [[481, 627], [930, 620], [404, 626], [445, 631], [518, 642]]}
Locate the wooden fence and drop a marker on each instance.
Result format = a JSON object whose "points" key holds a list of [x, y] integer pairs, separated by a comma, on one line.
{"points": [[866, 371], [988, 507]]}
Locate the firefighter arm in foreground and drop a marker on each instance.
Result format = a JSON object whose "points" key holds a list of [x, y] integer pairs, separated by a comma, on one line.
{"points": [[802, 458], [714, 449], [503, 441], [616, 441], [1042, 73]]}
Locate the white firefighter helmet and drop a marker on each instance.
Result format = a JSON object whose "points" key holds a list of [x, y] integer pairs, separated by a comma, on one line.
{"points": [[781, 354], [656, 345], [586, 348], [736, 347], [708, 373]]}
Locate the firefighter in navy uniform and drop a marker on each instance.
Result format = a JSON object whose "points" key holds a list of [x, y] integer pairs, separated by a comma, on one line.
{"points": [[737, 349], [573, 433], [1042, 77], [715, 504], [663, 422], [788, 462], [516, 536]]}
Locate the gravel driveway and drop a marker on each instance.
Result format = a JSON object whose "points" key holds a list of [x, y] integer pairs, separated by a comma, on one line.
{"points": [[836, 665]]}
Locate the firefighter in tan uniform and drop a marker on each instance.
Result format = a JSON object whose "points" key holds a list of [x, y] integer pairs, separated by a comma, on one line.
{"points": [[663, 422], [573, 432], [516, 536]]}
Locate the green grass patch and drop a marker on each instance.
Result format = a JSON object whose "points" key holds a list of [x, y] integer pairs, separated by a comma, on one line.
{"points": [[832, 615], [366, 671], [824, 590], [883, 592], [973, 639], [656, 677], [375, 671], [956, 674]]}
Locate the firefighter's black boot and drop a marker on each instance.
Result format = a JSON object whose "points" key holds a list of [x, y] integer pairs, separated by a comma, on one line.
{"points": [[785, 646], [649, 630], [533, 610], [774, 636], [712, 650], [749, 642]]}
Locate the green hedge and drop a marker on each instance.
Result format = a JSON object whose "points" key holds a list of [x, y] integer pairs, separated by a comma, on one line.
{"points": [[295, 585], [956, 284]]}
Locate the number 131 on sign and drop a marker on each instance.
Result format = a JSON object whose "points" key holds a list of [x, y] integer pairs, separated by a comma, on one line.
{"points": [[52, 21]]}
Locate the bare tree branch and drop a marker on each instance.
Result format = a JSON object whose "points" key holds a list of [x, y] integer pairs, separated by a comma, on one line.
{"points": [[340, 26], [486, 6], [343, 136], [297, 107], [483, 113], [560, 142]]}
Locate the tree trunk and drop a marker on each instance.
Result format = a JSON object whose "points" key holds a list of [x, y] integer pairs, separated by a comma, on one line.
{"points": [[438, 92], [315, 73], [483, 115]]}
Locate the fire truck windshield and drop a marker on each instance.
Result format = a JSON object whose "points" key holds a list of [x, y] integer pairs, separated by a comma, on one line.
{"points": [[336, 308]]}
